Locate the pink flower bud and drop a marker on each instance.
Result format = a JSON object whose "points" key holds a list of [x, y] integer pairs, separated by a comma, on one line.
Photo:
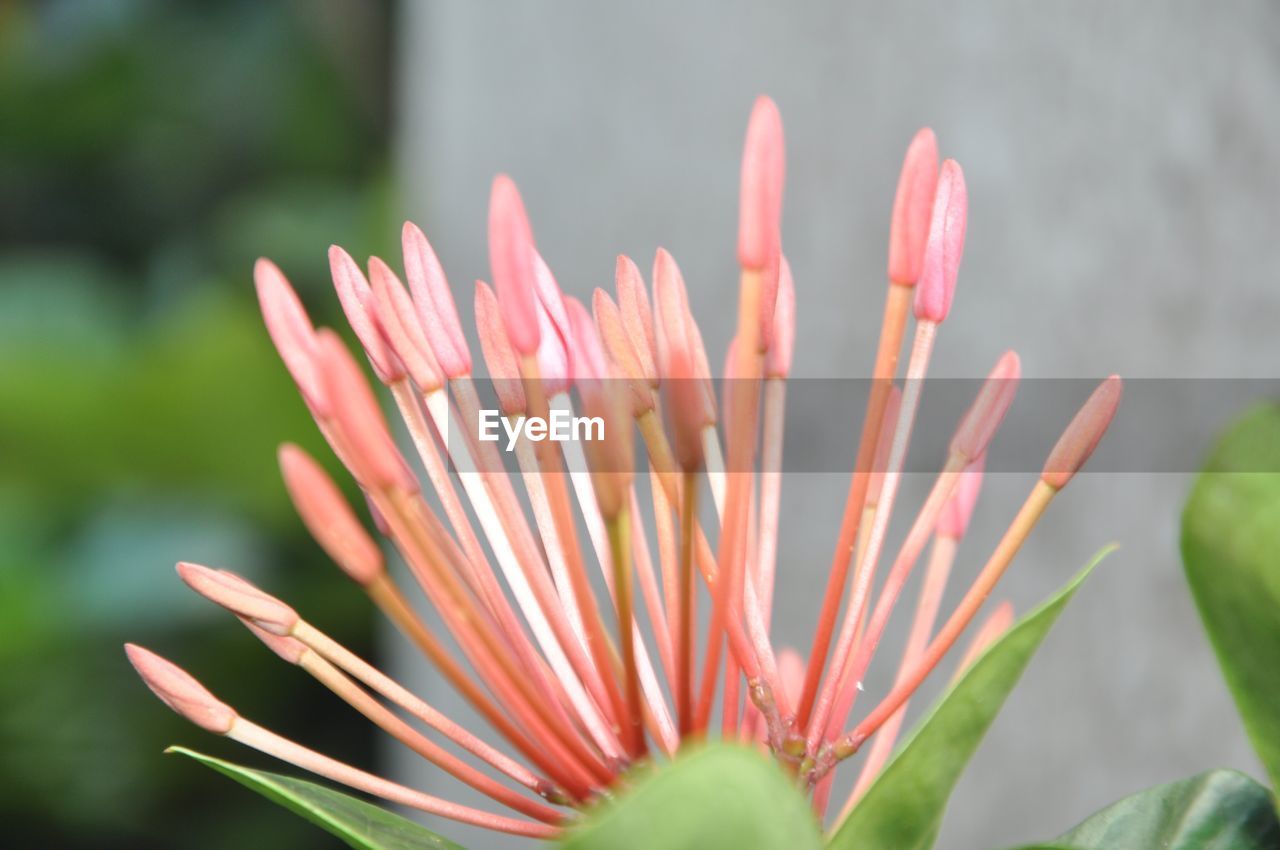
{"points": [[356, 297], [675, 321], [240, 597], [290, 330], [621, 353], [588, 354], [1083, 434], [944, 247], [511, 258], [954, 519], [637, 316], [401, 327], [555, 359], [328, 517], [763, 173], [988, 410], [370, 451], [434, 302], [671, 326], [686, 405], [499, 356], [912, 208], [179, 690]]}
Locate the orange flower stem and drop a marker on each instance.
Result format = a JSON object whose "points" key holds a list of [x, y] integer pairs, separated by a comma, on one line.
{"points": [[598, 643], [252, 735], [896, 309], [1030, 512]]}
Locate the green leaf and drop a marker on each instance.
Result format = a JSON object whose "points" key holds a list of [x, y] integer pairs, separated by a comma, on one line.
{"points": [[903, 808], [1217, 810], [360, 824], [720, 797], [1231, 551]]}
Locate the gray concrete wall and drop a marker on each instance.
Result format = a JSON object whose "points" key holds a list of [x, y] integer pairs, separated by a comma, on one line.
{"points": [[1122, 168]]}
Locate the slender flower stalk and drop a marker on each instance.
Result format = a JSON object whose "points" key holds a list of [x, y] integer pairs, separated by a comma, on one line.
{"points": [[912, 213], [491, 531], [951, 526]]}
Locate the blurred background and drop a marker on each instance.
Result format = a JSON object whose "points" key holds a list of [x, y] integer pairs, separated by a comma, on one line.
{"points": [[149, 152], [1122, 164]]}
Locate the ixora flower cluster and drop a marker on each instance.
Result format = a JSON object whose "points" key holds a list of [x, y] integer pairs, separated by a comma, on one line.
{"points": [[570, 679]]}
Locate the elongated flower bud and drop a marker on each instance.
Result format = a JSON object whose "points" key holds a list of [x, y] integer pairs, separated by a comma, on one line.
{"points": [[434, 302], [621, 353], [356, 296], [401, 327], [945, 246], [511, 254], [239, 596], [912, 208], [956, 513], [760, 216], [637, 316], [763, 174], [686, 404], [179, 690], [605, 396], [372, 453], [555, 359], [675, 321], [672, 305], [988, 410], [290, 330], [499, 355], [1083, 434], [777, 362], [588, 353], [328, 517]]}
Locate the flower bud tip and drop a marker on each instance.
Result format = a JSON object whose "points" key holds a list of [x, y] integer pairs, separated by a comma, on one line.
{"points": [[179, 690], [988, 410], [912, 208], [371, 451], [499, 355], [1083, 434], [327, 515], [511, 259], [240, 597], [290, 330], [356, 296], [637, 315], [434, 302], [763, 174], [402, 328], [940, 265]]}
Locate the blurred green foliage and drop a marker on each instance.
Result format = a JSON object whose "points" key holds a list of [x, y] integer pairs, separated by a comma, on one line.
{"points": [[149, 151]]}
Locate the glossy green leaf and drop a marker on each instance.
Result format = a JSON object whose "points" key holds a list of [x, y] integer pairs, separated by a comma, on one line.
{"points": [[1217, 810], [903, 808], [359, 824], [1231, 551], [718, 798]]}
